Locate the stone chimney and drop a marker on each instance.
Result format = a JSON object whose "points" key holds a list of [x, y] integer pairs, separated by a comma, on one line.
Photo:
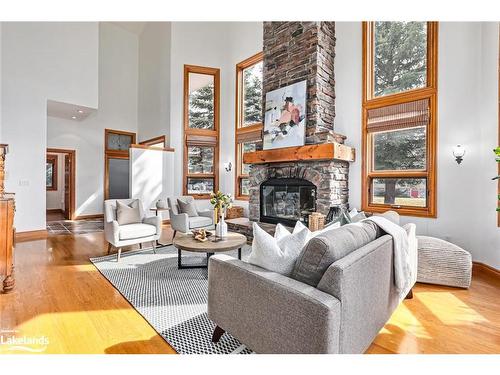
{"points": [[297, 51], [294, 52]]}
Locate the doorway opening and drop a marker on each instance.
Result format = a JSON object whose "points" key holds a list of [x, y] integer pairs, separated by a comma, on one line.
{"points": [[60, 174]]}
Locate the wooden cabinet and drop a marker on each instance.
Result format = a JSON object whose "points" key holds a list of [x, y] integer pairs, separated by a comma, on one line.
{"points": [[7, 243]]}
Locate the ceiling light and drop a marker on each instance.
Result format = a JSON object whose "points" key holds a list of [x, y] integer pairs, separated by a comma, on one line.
{"points": [[73, 117], [80, 111]]}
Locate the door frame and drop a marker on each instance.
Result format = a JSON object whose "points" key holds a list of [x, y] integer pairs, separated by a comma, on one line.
{"points": [[72, 190]]}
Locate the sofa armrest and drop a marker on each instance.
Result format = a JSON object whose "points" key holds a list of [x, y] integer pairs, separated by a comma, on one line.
{"points": [[154, 220], [363, 282], [269, 312], [179, 222], [112, 232]]}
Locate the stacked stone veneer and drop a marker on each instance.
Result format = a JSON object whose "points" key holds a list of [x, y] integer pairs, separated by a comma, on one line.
{"points": [[297, 51], [293, 52], [329, 176]]}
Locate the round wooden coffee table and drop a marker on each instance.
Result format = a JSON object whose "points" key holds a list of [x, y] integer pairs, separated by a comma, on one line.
{"points": [[186, 242]]}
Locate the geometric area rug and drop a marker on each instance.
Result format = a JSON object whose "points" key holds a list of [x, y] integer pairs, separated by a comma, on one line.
{"points": [[173, 301]]}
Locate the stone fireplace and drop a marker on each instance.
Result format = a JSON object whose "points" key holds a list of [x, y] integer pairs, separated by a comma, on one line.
{"points": [[293, 52]]}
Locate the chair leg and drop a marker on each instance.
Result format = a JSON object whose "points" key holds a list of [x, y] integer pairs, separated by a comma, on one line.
{"points": [[154, 246], [119, 254], [109, 248], [218, 332], [175, 232], [140, 246]]}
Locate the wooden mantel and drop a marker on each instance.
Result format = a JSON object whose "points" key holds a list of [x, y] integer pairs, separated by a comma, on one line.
{"points": [[324, 151]]}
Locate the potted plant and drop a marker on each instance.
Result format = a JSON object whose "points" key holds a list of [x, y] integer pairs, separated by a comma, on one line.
{"points": [[220, 202]]}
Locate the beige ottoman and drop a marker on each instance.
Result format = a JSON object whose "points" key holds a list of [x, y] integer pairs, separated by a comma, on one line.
{"points": [[441, 262]]}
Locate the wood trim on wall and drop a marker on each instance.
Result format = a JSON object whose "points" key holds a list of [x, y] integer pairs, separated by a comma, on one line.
{"points": [[251, 130], [479, 267], [201, 137], [88, 217], [72, 190], [369, 102], [31, 235]]}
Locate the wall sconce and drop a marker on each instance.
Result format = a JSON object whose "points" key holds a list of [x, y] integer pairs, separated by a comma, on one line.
{"points": [[228, 167], [458, 153]]}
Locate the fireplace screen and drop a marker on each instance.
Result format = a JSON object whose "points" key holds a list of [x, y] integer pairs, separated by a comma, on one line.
{"points": [[286, 200]]}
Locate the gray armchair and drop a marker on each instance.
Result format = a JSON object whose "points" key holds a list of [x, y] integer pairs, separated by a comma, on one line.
{"points": [[148, 230], [182, 222]]}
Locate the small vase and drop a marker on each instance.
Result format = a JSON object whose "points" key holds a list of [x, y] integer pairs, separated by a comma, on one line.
{"points": [[221, 230], [161, 204]]}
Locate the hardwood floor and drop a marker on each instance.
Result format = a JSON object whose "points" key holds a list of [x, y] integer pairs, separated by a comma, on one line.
{"points": [[61, 296]]}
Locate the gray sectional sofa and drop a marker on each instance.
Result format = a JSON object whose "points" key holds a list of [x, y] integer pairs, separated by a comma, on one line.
{"points": [[338, 297]]}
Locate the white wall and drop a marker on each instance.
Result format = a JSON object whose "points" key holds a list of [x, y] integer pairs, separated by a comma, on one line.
{"points": [[55, 198], [219, 45], [1, 82], [40, 61], [348, 98], [117, 109], [154, 80], [151, 177], [467, 114]]}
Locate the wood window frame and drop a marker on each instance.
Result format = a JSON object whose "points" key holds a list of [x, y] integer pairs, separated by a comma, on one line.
{"points": [[155, 141], [250, 131], [370, 102], [201, 137], [52, 159], [114, 154]]}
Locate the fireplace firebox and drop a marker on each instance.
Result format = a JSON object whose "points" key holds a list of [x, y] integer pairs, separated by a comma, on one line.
{"points": [[287, 200]]}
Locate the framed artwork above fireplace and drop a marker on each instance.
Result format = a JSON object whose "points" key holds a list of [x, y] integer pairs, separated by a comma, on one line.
{"points": [[285, 116]]}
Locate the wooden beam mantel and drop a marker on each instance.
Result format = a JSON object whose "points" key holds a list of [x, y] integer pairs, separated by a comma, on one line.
{"points": [[324, 151]]}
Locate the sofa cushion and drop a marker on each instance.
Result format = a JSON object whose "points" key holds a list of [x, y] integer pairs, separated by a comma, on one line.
{"points": [[132, 231], [323, 250], [199, 221], [128, 213], [188, 208]]}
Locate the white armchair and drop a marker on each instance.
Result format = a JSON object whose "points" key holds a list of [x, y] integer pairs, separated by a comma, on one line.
{"points": [[182, 222], [148, 230]]}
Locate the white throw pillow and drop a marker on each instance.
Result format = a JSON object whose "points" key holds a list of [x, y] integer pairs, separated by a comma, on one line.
{"points": [[128, 214], [299, 226], [278, 253]]}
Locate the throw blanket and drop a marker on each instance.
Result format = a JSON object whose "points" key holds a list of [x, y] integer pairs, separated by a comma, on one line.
{"points": [[402, 262]]}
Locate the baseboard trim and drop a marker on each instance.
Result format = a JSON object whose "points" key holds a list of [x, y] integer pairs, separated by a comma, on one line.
{"points": [[485, 268], [88, 217], [55, 211], [31, 235]]}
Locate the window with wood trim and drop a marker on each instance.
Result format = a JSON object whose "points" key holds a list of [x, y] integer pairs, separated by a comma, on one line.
{"points": [[399, 117], [248, 118], [51, 173], [160, 142], [201, 131], [116, 163]]}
